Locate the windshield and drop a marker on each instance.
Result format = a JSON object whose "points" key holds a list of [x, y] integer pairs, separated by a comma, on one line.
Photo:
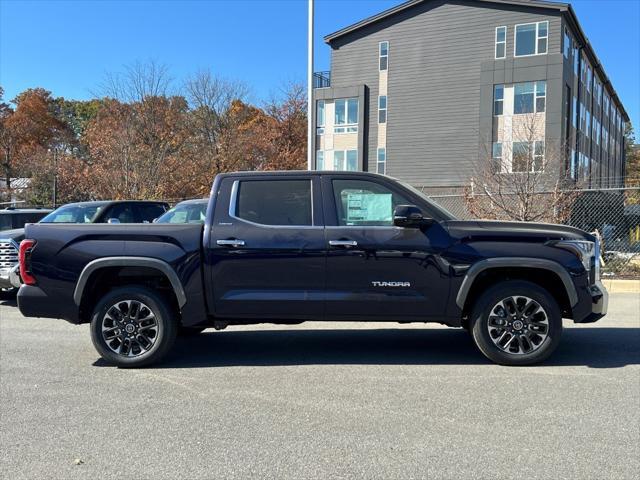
{"points": [[446, 215], [74, 214], [185, 213]]}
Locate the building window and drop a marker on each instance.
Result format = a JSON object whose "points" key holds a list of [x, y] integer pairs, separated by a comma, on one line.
{"points": [[587, 126], [498, 99], [346, 117], [521, 161], [574, 116], [596, 130], [538, 156], [345, 160], [541, 96], [382, 109], [384, 55], [531, 39], [588, 78], [501, 42], [320, 117], [597, 91], [576, 58], [567, 112], [319, 159], [381, 164], [529, 97], [496, 155], [566, 44], [527, 157]]}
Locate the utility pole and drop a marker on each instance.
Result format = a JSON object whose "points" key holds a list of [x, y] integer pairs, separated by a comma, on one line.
{"points": [[55, 178], [310, 88]]}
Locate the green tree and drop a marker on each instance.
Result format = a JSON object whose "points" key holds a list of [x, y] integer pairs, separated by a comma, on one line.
{"points": [[632, 154]]}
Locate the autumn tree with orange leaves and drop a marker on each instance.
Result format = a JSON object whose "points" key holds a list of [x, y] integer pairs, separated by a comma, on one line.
{"points": [[145, 140]]}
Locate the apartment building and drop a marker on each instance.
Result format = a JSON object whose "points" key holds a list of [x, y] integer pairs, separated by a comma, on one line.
{"points": [[430, 89]]}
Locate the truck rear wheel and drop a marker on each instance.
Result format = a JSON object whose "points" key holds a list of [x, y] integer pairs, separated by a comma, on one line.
{"points": [[516, 323], [133, 327]]}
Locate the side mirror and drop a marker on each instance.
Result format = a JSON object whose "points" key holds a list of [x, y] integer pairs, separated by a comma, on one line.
{"points": [[409, 216], [113, 220]]}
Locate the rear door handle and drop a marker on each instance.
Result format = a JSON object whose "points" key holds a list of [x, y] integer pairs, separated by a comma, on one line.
{"points": [[343, 243], [230, 243]]}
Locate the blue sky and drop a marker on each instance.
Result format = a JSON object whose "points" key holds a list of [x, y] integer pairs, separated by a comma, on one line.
{"points": [[67, 46]]}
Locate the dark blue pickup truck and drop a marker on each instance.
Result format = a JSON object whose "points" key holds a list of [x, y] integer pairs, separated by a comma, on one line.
{"points": [[289, 247]]}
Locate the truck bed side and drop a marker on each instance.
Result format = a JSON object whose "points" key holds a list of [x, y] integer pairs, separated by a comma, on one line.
{"points": [[63, 251]]}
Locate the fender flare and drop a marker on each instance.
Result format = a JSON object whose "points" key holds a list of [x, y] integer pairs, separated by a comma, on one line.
{"points": [[520, 262], [153, 263]]}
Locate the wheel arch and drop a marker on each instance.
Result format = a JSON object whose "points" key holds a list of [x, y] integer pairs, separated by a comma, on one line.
{"points": [[159, 267], [546, 273]]}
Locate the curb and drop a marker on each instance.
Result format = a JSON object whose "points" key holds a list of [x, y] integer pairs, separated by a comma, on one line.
{"points": [[622, 286]]}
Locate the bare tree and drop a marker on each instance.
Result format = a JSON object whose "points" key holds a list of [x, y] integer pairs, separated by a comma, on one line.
{"points": [[211, 100], [138, 82], [526, 180]]}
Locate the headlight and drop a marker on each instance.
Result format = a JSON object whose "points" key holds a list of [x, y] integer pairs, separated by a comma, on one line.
{"points": [[583, 249]]}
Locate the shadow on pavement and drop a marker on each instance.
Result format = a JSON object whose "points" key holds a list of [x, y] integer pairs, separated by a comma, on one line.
{"points": [[588, 346]]}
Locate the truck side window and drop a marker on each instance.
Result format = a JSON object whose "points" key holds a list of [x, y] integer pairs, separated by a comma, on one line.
{"points": [[122, 212], [365, 203], [274, 202], [149, 213]]}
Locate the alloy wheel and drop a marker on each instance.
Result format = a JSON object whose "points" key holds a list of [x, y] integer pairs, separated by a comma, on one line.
{"points": [[129, 328], [518, 325]]}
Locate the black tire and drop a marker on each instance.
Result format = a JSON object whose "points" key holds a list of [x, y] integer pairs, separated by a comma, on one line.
{"points": [[487, 333], [165, 328], [8, 293], [190, 331]]}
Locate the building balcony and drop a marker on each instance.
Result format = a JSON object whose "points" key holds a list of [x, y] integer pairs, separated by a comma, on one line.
{"points": [[321, 79]]}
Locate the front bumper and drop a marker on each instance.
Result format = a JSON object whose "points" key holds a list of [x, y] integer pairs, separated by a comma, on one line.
{"points": [[599, 304]]}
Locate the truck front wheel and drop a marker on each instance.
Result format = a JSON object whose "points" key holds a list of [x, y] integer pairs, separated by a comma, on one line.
{"points": [[133, 327], [516, 323]]}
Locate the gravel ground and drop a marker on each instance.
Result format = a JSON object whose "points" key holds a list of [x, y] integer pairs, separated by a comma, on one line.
{"points": [[321, 401]]}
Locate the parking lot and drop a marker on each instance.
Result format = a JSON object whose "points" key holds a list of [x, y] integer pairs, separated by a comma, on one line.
{"points": [[321, 401]]}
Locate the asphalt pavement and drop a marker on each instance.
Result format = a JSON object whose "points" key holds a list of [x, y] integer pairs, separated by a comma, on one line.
{"points": [[321, 400]]}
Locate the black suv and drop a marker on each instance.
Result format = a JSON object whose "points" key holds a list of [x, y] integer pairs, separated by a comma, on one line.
{"points": [[12, 217]]}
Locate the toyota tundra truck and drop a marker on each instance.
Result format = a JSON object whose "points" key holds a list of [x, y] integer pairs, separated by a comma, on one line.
{"points": [[290, 247]]}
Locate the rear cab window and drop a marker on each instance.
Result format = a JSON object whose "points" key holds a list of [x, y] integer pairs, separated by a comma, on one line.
{"points": [[273, 202]]}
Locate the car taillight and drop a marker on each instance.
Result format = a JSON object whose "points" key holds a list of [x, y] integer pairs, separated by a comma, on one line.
{"points": [[24, 258]]}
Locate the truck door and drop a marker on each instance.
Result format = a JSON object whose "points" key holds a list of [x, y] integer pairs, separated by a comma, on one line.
{"points": [[267, 248], [374, 269]]}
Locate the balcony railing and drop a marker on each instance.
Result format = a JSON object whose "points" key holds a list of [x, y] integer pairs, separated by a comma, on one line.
{"points": [[321, 79]]}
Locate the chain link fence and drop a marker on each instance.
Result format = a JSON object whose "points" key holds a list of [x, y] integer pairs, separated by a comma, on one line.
{"points": [[613, 212]]}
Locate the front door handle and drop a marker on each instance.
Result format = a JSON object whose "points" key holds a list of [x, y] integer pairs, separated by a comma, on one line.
{"points": [[343, 243], [230, 243]]}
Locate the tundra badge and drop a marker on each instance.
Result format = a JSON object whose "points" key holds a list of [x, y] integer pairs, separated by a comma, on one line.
{"points": [[391, 284]]}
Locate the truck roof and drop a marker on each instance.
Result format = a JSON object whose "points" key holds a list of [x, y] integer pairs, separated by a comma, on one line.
{"points": [[278, 173], [105, 202]]}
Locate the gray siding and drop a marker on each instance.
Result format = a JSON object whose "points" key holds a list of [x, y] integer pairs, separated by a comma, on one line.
{"points": [[437, 54]]}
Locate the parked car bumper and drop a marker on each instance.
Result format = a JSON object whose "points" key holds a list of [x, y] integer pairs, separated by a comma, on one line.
{"points": [[9, 277]]}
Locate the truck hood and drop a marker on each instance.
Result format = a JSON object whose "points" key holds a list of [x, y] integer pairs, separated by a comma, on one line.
{"points": [[17, 235], [498, 231]]}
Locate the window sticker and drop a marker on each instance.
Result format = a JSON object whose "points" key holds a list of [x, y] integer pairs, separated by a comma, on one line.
{"points": [[369, 207]]}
